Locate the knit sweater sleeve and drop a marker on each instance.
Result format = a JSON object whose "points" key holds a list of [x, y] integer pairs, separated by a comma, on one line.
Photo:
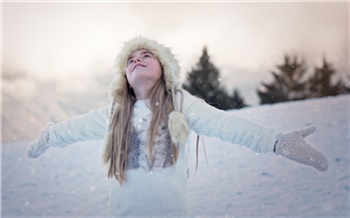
{"points": [[90, 126], [206, 120]]}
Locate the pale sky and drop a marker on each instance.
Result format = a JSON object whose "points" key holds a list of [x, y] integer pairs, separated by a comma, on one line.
{"points": [[62, 40]]}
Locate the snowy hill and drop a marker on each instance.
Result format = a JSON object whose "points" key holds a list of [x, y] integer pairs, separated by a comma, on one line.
{"points": [[236, 182]]}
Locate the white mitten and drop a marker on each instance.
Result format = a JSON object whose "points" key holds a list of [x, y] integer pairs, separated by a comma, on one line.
{"points": [[41, 144], [294, 147]]}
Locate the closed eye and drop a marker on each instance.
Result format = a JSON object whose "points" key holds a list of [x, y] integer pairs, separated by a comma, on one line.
{"points": [[130, 61], [147, 54]]}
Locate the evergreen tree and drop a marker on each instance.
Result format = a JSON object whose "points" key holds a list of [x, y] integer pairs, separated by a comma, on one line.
{"points": [[287, 84], [237, 100], [320, 83], [204, 81]]}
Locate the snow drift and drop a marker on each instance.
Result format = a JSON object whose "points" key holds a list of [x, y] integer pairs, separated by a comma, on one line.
{"points": [[234, 182]]}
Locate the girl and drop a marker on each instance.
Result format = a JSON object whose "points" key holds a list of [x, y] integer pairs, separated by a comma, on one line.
{"points": [[146, 129]]}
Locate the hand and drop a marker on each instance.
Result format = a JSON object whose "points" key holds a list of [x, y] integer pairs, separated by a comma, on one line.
{"points": [[41, 144], [294, 147]]}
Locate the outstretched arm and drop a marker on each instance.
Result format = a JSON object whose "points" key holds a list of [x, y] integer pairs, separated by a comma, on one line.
{"points": [[207, 120], [90, 126]]}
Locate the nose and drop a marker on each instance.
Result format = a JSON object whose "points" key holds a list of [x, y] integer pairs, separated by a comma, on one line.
{"points": [[137, 59]]}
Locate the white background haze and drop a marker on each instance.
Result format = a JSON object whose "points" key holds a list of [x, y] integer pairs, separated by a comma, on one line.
{"points": [[67, 41], [58, 57]]}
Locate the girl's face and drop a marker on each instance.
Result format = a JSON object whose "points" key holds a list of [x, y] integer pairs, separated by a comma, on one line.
{"points": [[143, 69]]}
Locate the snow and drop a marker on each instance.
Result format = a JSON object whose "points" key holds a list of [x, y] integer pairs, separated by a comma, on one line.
{"points": [[235, 182]]}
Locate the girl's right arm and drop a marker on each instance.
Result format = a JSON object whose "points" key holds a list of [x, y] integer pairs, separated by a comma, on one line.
{"points": [[90, 126]]}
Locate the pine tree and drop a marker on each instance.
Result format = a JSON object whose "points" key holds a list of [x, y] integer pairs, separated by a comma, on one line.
{"points": [[237, 100], [204, 81], [287, 84], [320, 83]]}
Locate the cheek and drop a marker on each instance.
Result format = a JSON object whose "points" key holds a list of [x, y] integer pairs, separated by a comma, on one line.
{"points": [[159, 71], [128, 78], [128, 70]]}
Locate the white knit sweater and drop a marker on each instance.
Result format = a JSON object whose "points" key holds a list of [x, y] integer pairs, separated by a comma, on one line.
{"points": [[159, 188]]}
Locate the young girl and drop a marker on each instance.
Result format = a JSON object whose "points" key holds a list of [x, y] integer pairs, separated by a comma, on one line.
{"points": [[146, 129]]}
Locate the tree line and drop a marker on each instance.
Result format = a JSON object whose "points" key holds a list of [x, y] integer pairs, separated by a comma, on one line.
{"points": [[290, 83]]}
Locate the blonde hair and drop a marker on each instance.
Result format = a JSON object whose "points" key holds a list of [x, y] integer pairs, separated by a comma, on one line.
{"points": [[116, 151], [162, 104]]}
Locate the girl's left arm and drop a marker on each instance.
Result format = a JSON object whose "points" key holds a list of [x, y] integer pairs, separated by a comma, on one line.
{"points": [[205, 119]]}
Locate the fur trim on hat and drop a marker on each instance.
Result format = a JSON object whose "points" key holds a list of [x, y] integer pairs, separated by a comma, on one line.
{"points": [[171, 69]]}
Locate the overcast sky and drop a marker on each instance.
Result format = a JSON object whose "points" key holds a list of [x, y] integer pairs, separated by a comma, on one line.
{"points": [[244, 40]]}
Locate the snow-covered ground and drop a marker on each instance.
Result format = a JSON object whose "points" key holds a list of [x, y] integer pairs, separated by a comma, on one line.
{"points": [[235, 183]]}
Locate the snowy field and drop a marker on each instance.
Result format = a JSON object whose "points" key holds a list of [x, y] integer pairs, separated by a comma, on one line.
{"points": [[236, 182]]}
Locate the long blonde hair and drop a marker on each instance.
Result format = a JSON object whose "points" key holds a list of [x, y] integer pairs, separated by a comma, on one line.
{"points": [[115, 155]]}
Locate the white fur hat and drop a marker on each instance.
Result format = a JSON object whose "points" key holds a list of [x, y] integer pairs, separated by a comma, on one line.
{"points": [[178, 127]]}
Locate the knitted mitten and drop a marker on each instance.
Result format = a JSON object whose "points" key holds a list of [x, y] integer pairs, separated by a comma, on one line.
{"points": [[294, 147], [41, 144]]}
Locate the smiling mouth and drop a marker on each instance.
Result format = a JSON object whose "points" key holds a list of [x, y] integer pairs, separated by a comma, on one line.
{"points": [[137, 65]]}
